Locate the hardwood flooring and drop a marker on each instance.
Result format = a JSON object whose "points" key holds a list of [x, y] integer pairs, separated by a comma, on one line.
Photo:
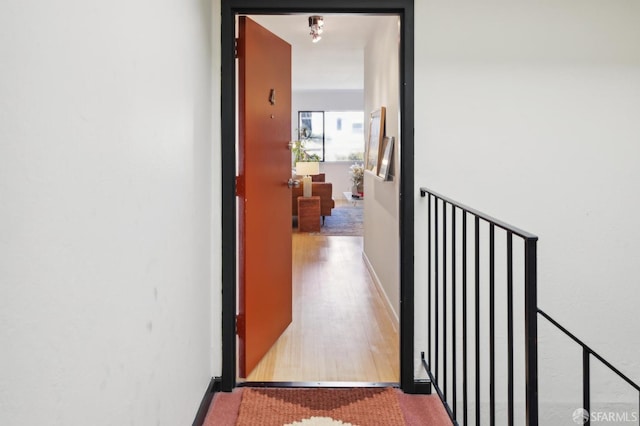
{"points": [[342, 329]]}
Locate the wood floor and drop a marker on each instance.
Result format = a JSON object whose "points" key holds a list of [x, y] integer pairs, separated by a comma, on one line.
{"points": [[342, 329]]}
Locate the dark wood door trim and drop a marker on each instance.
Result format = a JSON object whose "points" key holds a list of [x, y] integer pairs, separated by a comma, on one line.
{"points": [[403, 8]]}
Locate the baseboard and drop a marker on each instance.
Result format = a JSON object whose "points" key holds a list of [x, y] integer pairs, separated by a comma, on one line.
{"points": [[422, 386], [215, 385], [378, 283]]}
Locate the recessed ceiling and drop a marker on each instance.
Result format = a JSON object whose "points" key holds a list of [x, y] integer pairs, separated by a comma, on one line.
{"points": [[334, 63]]}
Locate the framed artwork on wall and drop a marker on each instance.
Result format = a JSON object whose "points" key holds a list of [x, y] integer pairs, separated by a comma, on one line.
{"points": [[374, 143], [385, 159]]}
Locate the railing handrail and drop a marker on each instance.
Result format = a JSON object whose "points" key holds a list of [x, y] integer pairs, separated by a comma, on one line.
{"points": [[500, 224], [530, 307], [591, 351], [531, 311]]}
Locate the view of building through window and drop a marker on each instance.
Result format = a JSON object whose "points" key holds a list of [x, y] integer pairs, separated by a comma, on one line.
{"points": [[344, 136], [333, 135]]}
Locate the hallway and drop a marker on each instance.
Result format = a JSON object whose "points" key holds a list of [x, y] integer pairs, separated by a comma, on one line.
{"points": [[342, 329]]}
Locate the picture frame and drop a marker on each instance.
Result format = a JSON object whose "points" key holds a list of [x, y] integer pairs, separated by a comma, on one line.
{"points": [[374, 143], [385, 159]]}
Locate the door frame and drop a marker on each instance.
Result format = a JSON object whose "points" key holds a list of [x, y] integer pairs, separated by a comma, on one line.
{"points": [[405, 10]]}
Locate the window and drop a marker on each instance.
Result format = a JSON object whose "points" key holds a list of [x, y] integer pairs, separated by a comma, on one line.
{"points": [[333, 135], [311, 132]]}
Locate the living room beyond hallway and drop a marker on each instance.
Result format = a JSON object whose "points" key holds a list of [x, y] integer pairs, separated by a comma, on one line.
{"points": [[342, 329]]}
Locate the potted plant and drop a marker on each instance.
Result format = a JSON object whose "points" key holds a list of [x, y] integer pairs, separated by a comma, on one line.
{"points": [[300, 154]]}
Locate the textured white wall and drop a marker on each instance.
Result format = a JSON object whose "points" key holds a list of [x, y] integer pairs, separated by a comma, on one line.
{"points": [[106, 212], [381, 243], [529, 112]]}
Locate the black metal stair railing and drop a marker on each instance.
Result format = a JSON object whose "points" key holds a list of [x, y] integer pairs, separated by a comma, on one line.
{"points": [[442, 325], [587, 353], [449, 283]]}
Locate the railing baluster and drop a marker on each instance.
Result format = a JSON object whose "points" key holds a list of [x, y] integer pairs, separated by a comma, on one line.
{"points": [[465, 376], [586, 384], [510, 329], [531, 330], [477, 322], [454, 363], [437, 301], [444, 298], [430, 312], [492, 326]]}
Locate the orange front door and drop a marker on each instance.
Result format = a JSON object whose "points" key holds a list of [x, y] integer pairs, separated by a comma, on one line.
{"points": [[264, 163]]}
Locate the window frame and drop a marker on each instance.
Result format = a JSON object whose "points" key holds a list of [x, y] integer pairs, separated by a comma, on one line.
{"points": [[324, 113]]}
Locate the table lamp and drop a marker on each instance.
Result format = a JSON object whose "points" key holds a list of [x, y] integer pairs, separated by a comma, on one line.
{"points": [[306, 169]]}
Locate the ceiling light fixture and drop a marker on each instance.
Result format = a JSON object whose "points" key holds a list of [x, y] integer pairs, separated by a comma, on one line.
{"points": [[316, 24]]}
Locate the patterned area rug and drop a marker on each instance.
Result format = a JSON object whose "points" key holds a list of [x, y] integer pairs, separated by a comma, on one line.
{"points": [[345, 219], [325, 407]]}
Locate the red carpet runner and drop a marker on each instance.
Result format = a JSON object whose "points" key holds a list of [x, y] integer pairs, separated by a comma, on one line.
{"points": [[324, 407]]}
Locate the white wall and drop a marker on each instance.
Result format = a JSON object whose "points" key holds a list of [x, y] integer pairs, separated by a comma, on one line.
{"points": [[529, 111], [107, 182], [337, 172], [382, 88]]}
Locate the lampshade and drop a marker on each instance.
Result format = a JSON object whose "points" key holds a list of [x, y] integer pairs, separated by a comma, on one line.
{"points": [[307, 168]]}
